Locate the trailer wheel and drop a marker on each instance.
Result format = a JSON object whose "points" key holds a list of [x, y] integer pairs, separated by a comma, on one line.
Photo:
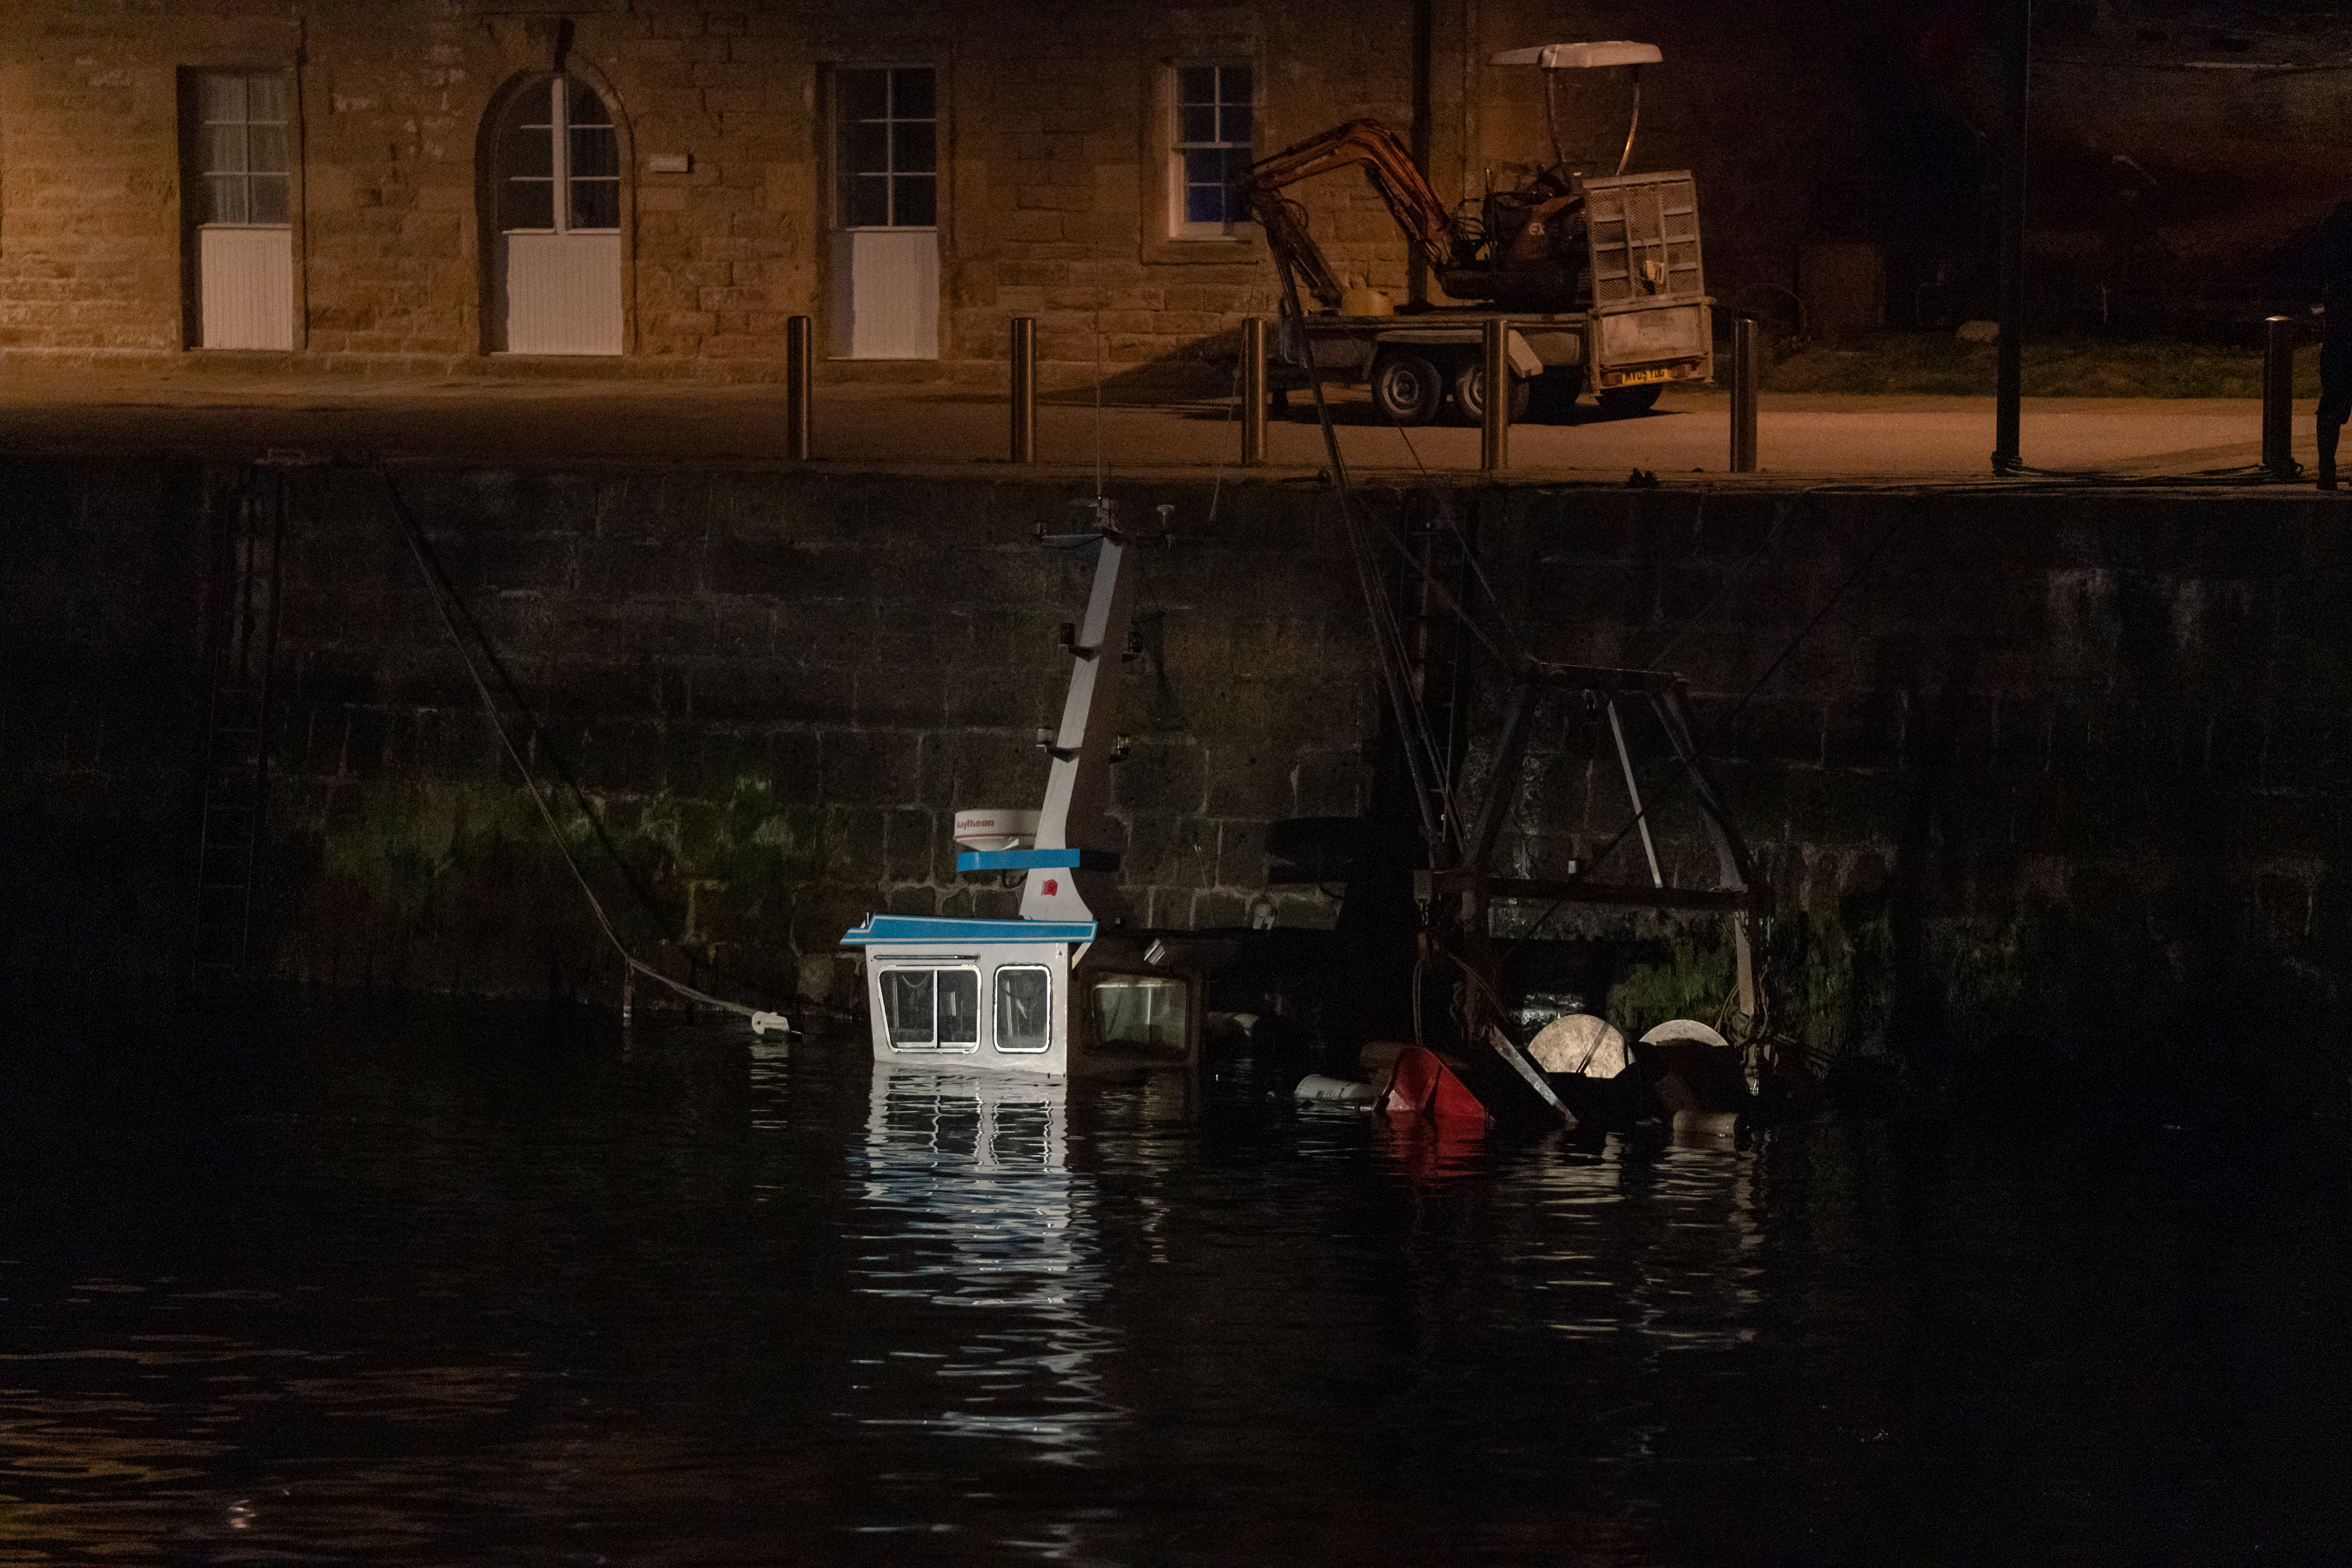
{"points": [[1406, 388], [1624, 402], [1470, 394]]}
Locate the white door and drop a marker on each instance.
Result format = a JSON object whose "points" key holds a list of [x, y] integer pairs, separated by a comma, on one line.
{"points": [[558, 269], [245, 240], [886, 243]]}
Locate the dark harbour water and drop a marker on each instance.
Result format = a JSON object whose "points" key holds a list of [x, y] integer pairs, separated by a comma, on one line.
{"points": [[450, 1286]]}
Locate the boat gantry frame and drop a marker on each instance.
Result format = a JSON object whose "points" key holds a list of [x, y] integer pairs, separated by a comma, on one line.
{"points": [[1461, 895]]}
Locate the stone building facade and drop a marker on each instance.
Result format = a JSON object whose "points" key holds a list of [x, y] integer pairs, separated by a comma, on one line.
{"points": [[657, 186]]}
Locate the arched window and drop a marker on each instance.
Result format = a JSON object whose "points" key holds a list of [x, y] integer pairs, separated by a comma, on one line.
{"points": [[559, 136], [557, 163]]}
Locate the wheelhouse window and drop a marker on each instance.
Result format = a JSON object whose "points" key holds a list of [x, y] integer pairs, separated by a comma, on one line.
{"points": [[1143, 1013], [244, 148], [559, 160], [931, 1009], [1025, 995], [886, 144], [1211, 149]]}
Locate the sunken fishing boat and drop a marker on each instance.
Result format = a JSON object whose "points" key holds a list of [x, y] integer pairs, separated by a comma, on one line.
{"points": [[1067, 987]]}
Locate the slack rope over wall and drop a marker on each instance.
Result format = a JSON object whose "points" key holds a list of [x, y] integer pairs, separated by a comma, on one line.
{"points": [[443, 594]]}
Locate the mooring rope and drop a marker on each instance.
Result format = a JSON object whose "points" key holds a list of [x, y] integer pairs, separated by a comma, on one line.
{"points": [[440, 590], [1387, 636]]}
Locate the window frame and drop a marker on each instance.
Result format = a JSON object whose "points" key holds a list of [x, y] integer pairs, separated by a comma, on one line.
{"points": [[838, 163], [1099, 980], [1157, 243], [202, 150], [1180, 227], [934, 970], [995, 1004], [560, 178]]}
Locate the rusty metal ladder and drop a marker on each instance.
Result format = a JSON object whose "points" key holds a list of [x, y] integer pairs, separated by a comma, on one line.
{"points": [[237, 728]]}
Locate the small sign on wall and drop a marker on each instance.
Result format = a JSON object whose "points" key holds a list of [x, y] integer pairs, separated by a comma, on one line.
{"points": [[669, 162]]}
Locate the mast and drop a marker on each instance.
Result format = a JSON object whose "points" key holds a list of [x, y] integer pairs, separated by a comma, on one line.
{"points": [[1066, 881]]}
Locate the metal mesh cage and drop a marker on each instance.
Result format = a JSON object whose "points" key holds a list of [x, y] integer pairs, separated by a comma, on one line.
{"points": [[1644, 232]]}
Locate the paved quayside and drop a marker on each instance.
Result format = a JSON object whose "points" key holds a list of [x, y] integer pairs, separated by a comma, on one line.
{"points": [[227, 413]]}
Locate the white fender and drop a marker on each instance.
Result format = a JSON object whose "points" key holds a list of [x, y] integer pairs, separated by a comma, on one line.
{"points": [[1315, 1085], [1685, 1029], [1580, 1044]]}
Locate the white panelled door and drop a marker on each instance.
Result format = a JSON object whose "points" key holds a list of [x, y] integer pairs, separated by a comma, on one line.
{"points": [[245, 240], [885, 244], [558, 271], [562, 293], [887, 293]]}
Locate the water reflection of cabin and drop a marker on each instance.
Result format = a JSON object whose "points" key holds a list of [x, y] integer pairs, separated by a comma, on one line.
{"points": [[1025, 996], [938, 1117]]}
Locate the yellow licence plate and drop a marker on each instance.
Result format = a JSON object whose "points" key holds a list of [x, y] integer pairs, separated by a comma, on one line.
{"points": [[1635, 377]]}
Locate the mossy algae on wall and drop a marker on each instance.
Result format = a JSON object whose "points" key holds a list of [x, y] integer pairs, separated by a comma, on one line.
{"points": [[461, 887], [2021, 768], [2030, 772], [771, 692]]}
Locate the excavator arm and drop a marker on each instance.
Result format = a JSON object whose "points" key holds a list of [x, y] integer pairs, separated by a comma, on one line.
{"points": [[1416, 209]]}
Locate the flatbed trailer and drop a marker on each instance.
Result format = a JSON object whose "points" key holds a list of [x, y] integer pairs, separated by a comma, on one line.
{"points": [[1644, 321]]}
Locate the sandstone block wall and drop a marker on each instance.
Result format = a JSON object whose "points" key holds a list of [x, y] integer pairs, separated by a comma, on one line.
{"points": [[772, 692], [2025, 771], [1054, 163], [2054, 781]]}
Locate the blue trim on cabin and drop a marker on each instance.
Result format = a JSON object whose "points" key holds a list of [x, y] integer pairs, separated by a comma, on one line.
{"points": [[1039, 860], [940, 930]]}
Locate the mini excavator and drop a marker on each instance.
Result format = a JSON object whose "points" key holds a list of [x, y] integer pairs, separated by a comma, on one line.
{"points": [[1601, 276]]}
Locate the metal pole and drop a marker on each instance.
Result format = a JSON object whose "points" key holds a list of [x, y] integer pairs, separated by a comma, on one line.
{"points": [[2009, 373], [1424, 117], [1025, 389], [1253, 391], [1634, 794], [1495, 450], [799, 379], [1743, 395], [2278, 398]]}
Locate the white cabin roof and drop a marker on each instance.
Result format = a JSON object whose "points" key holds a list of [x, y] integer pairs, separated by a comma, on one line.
{"points": [[1580, 57]]}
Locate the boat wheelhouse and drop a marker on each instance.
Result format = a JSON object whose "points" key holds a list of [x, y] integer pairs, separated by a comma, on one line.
{"points": [[1041, 996], [1066, 988]]}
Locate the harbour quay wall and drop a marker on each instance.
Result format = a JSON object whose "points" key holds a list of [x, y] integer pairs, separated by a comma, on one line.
{"points": [[2024, 767], [771, 691]]}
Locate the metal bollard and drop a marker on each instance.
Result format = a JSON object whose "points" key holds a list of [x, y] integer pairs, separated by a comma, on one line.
{"points": [[1494, 450], [800, 377], [2278, 398], [1253, 392], [1025, 389], [1743, 395]]}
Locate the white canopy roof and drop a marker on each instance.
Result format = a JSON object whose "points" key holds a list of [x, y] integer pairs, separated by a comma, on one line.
{"points": [[1577, 57]]}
